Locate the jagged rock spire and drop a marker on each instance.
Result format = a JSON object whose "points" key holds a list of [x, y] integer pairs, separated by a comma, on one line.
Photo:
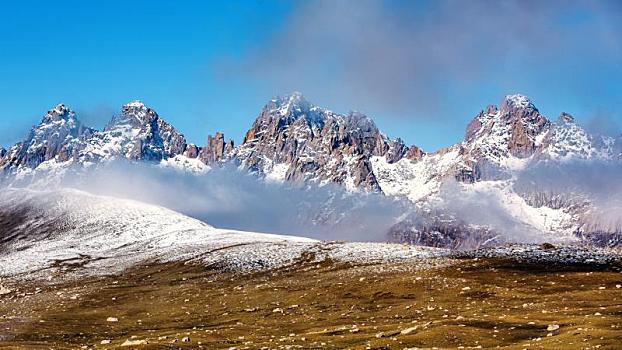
{"points": [[217, 149]]}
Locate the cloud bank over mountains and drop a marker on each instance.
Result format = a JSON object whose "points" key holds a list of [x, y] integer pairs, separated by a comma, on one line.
{"points": [[412, 58]]}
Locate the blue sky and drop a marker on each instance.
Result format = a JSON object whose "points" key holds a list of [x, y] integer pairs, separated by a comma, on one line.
{"points": [[421, 69]]}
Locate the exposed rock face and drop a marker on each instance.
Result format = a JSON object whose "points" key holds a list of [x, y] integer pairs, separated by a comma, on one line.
{"points": [[216, 149], [498, 134], [565, 140], [296, 141], [525, 123], [414, 153], [498, 144], [501, 140]]}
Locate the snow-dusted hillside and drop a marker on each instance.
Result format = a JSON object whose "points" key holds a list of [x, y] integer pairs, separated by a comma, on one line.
{"points": [[65, 231]]}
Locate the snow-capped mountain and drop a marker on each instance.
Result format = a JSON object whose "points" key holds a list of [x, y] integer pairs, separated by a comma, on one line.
{"points": [[60, 141], [58, 137], [293, 140], [500, 143], [296, 141], [137, 133]]}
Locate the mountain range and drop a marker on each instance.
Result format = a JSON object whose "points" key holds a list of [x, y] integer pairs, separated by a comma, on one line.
{"points": [[295, 141]]}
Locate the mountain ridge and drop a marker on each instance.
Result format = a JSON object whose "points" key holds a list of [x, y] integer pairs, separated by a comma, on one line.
{"points": [[292, 140], [161, 141]]}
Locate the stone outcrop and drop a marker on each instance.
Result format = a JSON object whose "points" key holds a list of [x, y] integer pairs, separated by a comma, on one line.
{"points": [[497, 134], [137, 133], [217, 149], [525, 123]]}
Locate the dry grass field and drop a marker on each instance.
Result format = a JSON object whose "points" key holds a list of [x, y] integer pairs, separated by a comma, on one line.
{"points": [[449, 304]]}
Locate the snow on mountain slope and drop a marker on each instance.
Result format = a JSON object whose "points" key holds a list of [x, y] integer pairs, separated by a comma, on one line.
{"points": [[567, 141], [73, 226], [415, 180], [499, 143], [185, 163], [557, 224], [67, 231]]}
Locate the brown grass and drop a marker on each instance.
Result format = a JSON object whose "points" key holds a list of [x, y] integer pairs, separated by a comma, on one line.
{"points": [[469, 303]]}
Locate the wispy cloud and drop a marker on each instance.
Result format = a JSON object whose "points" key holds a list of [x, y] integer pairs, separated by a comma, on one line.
{"points": [[396, 56]]}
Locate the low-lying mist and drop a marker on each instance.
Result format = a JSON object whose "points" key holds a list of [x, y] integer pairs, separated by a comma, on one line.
{"points": [[230, 198], [592, 189], [459, 216]]}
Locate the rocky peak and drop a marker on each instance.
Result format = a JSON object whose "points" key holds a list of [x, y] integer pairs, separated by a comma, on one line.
{"points": [[136, 104], [294, 140], [512, 103], [519, 109], [491, 110], [567, 140], [290, 105], [142, 134], [484, 120], [360, 122], [564, 118], [59, 113], [134, 114], [191, 151], [414, 153], [514, 130], [56, 137]]}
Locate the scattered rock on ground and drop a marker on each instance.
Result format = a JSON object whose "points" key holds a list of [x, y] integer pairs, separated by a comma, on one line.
{"points": [[4, 290], [408, 330], [130, 342]]}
